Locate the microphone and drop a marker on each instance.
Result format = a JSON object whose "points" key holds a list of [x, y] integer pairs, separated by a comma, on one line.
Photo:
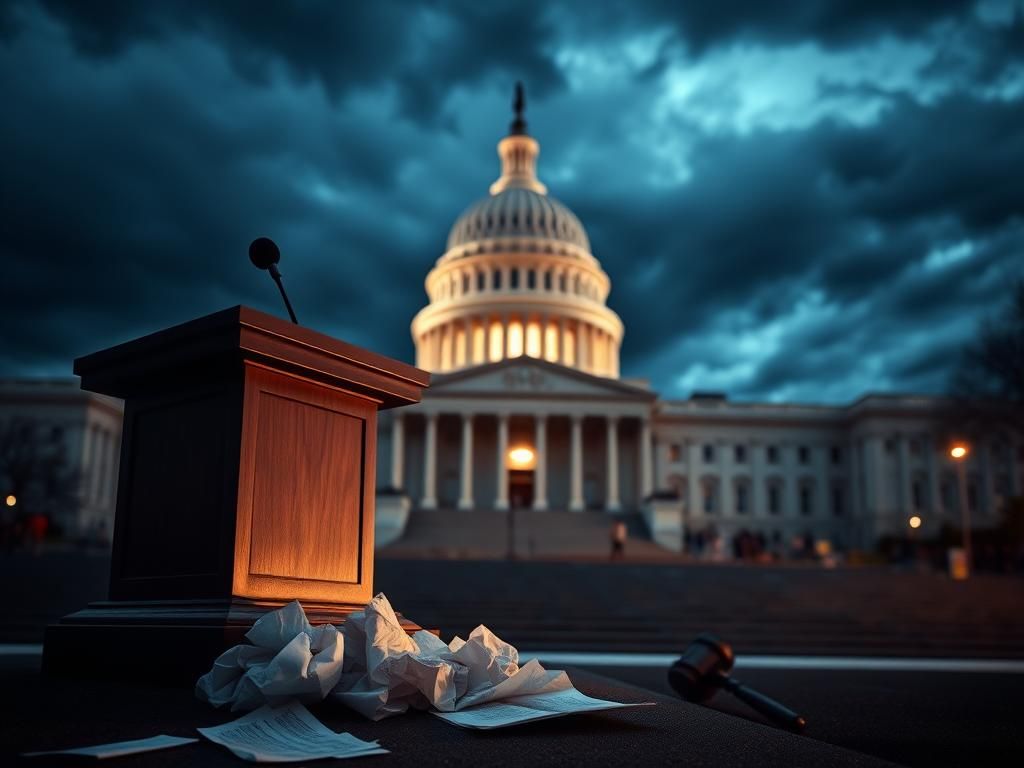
{"points": [[264, 253], [704, 668]]}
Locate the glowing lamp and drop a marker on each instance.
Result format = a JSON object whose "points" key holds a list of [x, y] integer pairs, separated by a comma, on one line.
{"points": [[958, 451], [521, 458], [11, 500], [915, 522]]}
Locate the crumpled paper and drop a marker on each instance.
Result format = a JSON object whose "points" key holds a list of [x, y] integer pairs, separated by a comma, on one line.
{"points": [[288, 659], [385, 671]]}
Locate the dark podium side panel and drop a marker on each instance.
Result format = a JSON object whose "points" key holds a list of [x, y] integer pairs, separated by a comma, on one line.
{"points": [[178, 455], [247, 480]]}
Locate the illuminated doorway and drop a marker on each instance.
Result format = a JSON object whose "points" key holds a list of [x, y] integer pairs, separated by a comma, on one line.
{"points": [[520, 488]]}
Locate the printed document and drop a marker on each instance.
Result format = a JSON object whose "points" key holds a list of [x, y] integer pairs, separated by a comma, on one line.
{"points": [[118, 748], [524, 709], [287, 734]]}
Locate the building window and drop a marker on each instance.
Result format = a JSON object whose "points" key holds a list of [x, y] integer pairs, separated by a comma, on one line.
{"points": [[774, 499], [806, 500], [531, 279], [804, 453], [496, 280], [837, 454], [741, 499], [773, 454], [514, 280], [741, 454], [547, 280], [709, 453], [837, 500], [710, 497], [481, 281], [675, 453]]}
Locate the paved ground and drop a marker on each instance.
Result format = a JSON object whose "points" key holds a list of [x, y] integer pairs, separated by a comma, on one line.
{"points": [[923, 719]]}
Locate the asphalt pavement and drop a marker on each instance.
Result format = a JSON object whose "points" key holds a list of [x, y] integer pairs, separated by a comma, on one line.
{"points": [[920, 718]]}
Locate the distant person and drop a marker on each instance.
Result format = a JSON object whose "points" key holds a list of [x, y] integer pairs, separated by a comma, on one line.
{"points": [[618, 538], [38, 524]]}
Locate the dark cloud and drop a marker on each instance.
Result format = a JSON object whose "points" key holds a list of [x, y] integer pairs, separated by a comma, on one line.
{"points": [[811, 257]]}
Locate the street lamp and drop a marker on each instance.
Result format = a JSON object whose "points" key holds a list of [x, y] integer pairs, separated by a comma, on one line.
{"points": [[914, 522], [11, 500], [959, 453]]}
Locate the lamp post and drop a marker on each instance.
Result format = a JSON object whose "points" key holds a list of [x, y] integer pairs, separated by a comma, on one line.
{"points": [[959, 453]]}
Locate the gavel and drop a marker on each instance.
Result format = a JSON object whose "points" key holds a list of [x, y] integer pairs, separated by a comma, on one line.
{"points": [[704, 668]]}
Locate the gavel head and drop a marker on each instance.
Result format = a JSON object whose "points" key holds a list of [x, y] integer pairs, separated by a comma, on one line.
{"points": [[263, 252], [697, 674]]}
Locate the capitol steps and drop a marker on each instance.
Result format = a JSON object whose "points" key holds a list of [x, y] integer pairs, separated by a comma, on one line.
{"points": [[485, 533]]}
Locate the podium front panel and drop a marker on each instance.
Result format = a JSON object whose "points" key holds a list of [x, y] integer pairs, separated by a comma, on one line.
{"points": [[305, 495]]}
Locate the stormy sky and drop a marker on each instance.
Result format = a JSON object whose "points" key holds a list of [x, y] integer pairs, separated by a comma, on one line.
{"points": [[799, 201]]}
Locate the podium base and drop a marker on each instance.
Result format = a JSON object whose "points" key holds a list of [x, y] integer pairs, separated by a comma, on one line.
{"points": [[169, 641]]}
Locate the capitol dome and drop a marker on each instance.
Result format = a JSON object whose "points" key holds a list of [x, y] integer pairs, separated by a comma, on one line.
{"points": [[517, 278], [518, 212]]}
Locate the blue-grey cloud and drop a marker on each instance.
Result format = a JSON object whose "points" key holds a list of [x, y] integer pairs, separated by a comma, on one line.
{"points": [[799, 202]]}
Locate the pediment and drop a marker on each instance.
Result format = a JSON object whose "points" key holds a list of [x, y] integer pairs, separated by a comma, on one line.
{"points": [[528, 376]]}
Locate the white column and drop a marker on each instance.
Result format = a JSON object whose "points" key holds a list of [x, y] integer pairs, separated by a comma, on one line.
{"points": [[543, 322], [581, 345], [612, 496], [758, 507], [429, 500], [467, 342], [576, 488], [501, 501], [506, 338], [563, 343], [906, 502], [466, 496], [934, 497], [823, 494], [646, 469], [397, 451], [540, 494], [693, 458]]}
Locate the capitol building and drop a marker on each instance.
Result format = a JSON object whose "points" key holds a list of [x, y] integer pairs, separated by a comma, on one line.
{"points": [[527, 411], [527, 408]]}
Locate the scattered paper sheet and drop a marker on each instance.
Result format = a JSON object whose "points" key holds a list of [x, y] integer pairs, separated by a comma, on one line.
{"points": [[118, 748], [287, 734], [524, 709]]}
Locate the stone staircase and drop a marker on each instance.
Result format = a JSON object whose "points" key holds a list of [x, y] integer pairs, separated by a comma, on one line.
{"points": [[486, 533]]}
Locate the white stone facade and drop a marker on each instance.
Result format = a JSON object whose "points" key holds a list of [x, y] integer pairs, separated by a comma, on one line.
{"points": [[526, 355], [88, 426]]}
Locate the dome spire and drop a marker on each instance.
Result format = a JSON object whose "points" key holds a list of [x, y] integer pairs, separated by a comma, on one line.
{"points": [[518, 152], [518, 127]]}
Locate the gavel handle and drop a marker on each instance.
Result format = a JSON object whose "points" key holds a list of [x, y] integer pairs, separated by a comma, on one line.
{"points": [[768, 707]]}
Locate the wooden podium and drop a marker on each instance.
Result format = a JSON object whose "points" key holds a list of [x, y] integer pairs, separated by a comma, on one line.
{"points": [[247, 479]]}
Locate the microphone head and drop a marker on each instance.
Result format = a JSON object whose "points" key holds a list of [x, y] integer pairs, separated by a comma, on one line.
{"points": [[264, 253]]}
